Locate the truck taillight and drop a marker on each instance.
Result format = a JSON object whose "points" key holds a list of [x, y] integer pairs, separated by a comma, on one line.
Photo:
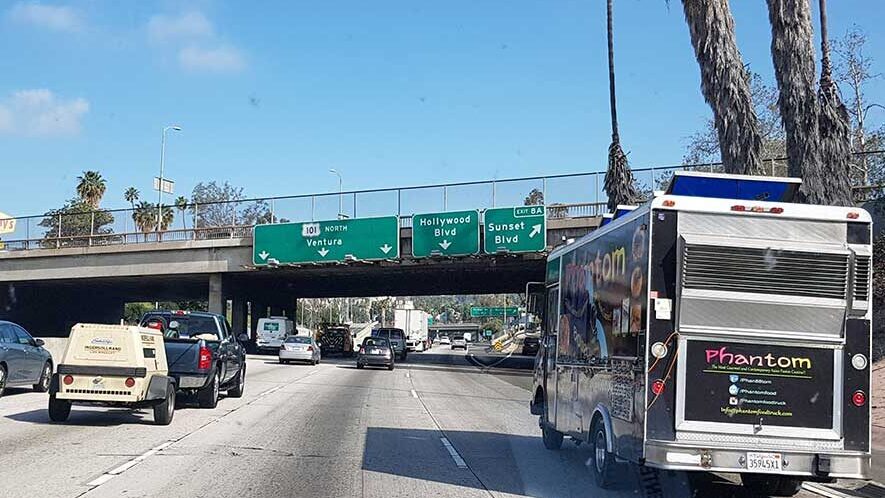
{"points": [[130, 382], [310, 348], [657, 387], [205, 358], [68, 380], [362, 350], [859, 398]]}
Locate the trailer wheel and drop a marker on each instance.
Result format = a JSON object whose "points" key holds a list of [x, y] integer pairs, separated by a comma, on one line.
{"points": [[552, 437], [604, 466], [164, 411], [772, 485], [59, 409]]}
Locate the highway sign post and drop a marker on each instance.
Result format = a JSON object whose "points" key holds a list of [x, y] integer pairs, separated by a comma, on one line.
{"points": [[487, 311], [445, 234], [515, 229], [326, 241]]}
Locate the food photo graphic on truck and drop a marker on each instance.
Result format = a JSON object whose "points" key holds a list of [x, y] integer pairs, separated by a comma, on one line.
{"points": [[720, 327]]}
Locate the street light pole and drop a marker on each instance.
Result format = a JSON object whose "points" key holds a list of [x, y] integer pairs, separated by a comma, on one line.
{"points": [[162, 170], [340, 192]]}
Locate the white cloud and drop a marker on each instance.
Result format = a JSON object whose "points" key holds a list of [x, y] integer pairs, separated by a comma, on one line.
{"points": [[40, 112], [47, 16], [221, 59], [186, 26]]}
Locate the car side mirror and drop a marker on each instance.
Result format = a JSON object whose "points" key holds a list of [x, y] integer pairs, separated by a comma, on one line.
{"points": [[243, 338], [39, 342]]}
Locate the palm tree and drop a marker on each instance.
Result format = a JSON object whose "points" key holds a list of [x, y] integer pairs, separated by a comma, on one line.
{"points": [[91, 187], [181, 205], [131, 195], [833, 126], [725, 84], [792, 50], [168, 215], [618, 178], [145, 217]]}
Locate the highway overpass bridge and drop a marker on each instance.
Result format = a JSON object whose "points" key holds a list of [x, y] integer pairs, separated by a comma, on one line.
{"points": [[47, 288]]}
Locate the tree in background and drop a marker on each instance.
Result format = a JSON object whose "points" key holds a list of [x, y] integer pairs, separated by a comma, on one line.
{"points": [[725, 84], [131, 196], [792, 50], [77, 220], [145, 217], [222, 205], [619, 184], [835, 141], [181, 205], [535, 198], [91, 188]]}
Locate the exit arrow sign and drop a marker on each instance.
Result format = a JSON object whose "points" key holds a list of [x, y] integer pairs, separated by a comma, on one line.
{"points": [[455, 233], [515, 229], [326, 241]]}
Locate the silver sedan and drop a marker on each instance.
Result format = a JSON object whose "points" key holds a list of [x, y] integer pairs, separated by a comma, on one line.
{"points": [[300, 348]]}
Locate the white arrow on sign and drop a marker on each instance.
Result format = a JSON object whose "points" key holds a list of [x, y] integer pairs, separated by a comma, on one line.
{"points": [[263, 254], [445, 244], [536, 229], [323, 252], [385, 248]]}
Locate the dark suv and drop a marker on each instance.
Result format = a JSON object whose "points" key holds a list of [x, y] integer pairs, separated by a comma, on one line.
{"points": [[397, 340]]}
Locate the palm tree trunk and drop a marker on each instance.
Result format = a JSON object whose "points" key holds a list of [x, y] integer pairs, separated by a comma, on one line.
{"points": [[618, 178], [725, 84], [833, 126], [792, 50]]}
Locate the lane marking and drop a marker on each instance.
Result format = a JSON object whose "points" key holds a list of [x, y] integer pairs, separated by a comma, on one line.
{"points": [[454, 453], [408, 374], [101, 480], [269, 391], [414, 394]]}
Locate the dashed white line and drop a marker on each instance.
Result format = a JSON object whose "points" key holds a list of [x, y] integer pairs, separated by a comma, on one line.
{"points": [[454, 453], [414, 394], [107, 476], [269, 391]]}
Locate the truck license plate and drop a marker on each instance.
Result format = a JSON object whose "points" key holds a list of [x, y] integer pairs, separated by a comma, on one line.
{"points": [[764, 462]]}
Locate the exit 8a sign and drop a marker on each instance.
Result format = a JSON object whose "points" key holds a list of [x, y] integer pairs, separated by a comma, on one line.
{"points": [[515, 229]]}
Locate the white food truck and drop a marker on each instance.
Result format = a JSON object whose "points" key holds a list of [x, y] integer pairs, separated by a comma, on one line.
{"points": [[719, 327]]}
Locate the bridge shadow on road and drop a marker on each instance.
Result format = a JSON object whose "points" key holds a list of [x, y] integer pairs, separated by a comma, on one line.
{"points": [[521, 466]]}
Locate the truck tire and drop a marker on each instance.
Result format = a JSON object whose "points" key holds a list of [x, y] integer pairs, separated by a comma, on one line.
{"points": [[240, 386], [771, 485], [42, 384], [403, 357], [552, 438], [207, 397], [59, 409], [164, 411], [604, 466], [390, 367]]}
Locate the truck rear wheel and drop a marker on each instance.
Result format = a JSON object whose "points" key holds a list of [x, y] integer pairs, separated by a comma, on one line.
{"points": [[237, 391], [164, 411], [207, 397], [772, 485], [604, 466], [59, 409]]}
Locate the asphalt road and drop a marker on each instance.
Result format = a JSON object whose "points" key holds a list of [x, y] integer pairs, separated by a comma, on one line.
{"points": [[436, 426]]}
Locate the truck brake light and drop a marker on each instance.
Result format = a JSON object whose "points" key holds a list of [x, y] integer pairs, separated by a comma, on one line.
{"points": [[853, 215], [205, 358], [859, 398], [310, 348], [130, 382], [657, 387], [68, 380]]}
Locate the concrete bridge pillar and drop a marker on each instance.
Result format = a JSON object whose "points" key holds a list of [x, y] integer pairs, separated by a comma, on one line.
{"points": [[238, 315], [256, 311], [216, 294]]}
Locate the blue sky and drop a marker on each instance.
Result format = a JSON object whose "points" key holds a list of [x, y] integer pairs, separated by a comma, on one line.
{"points": [[392, 92]]}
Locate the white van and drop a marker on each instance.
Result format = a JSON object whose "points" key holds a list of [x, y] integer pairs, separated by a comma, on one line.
{"points": [[272, 331]]}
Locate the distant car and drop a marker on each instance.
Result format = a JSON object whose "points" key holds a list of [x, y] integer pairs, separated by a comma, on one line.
{"points": [[459, 342], [23, 361], [299, 348], [397, 340], [445, 340], [531, 345], [375, 351]]}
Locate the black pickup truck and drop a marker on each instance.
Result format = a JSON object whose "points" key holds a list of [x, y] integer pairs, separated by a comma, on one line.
{"points": [[203, 354]]}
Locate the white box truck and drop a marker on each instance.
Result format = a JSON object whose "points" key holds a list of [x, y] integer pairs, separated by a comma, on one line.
{"points": [[414, 325]]}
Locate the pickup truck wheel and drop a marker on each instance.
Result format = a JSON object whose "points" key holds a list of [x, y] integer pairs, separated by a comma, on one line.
{"points": [[42, 384], [359, 366], [237, 392], [208, 396], [771, 485], [59, 409], [164, 411]]}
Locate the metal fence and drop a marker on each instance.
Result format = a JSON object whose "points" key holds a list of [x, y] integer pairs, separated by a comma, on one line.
{"points": [[566, 196]]}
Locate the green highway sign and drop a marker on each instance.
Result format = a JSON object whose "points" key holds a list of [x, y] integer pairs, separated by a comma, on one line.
{"points": [[515, 229], [445, 234], [485, 311], [326, 241]]}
